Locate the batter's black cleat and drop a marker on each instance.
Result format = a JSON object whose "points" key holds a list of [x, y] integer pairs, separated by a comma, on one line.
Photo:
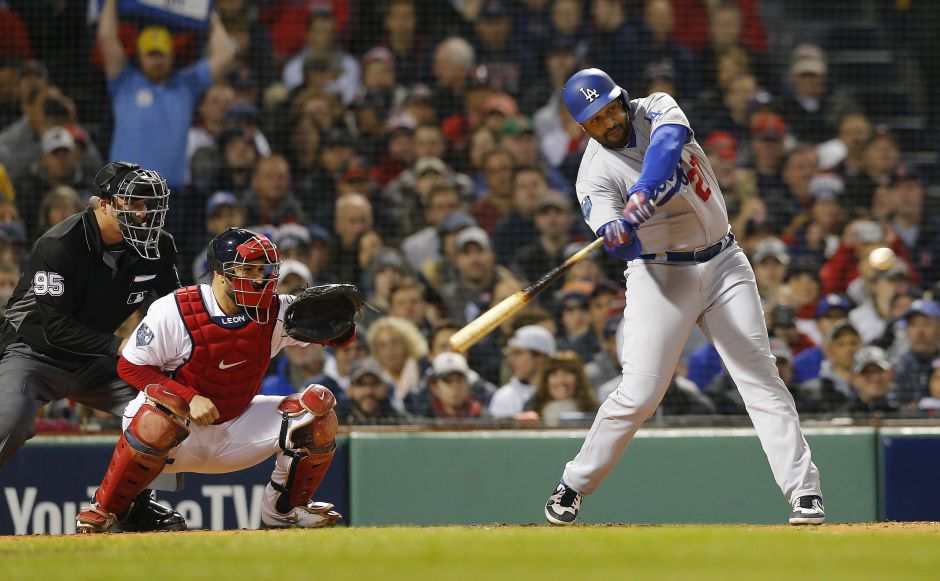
{"points": [[808, 510], [562, 506], [148, 515]]}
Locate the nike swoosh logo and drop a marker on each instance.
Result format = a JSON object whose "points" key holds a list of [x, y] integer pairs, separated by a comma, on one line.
{"points": [[222, 364]]}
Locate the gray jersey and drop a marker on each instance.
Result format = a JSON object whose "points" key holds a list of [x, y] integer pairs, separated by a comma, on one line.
{"points": [[690, 211]]}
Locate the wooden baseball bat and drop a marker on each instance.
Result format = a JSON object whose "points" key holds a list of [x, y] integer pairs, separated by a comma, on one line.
{"points": [[478, 328]]}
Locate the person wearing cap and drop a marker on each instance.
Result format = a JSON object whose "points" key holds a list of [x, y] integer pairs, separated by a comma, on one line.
{"points": [[913, 367], [528, 350], [367, 401], [770, 260], [441, 271], [449, 386], [767, 137], [153, 106], [477, 275], [830, 309], [340, 363], [872, 379], [576, 333], [553, 219], [833, 387], [819, 235], [223, 211], [873, 317], [321, 43], [850, 268], [811, 110], [425, 244], [781, 325]]}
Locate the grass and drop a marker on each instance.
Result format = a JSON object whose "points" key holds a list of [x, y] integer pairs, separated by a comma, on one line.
{"points": [[484, 553]]}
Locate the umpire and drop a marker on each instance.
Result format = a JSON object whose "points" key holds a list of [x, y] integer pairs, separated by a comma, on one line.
{"points": [[83, 278]]}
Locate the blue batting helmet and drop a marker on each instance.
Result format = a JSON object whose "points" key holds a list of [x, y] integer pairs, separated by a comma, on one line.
{"points": [[588, 91]]}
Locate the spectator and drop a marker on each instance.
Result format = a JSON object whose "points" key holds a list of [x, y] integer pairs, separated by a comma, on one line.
{"points": [[439, 273], [914, 367], [562, 388], [613, 39], [210, 119], [402, 38], [931, 402], [478, 274], [816, 233], [496, 201], [367, 399], [849, 267], [812, 111], [529, 350], [879, 159], [770, 261], [732, 116], [57, 205], [270, 200], [223, 211], [406, 301], [353, 218], [553, 219], [528, 187], [507, 63], [293, 277], [559, 63], [227, 165], [659, 46], [567, 21], [295, 370], [321, 44], [768, 132], [916, 226], [424, 245], [782, 325], [454, 59], [784, 205], [801, 292], [449, 385], [830, 309], [843, 153], [605, 364], [153, 101], [254, 56], [339, 365], [871, 381], [576, 332], [832, 388], [873, 317], [397, 345]]}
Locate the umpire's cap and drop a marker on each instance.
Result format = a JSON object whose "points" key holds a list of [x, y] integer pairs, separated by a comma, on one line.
{"points": [[109, 177], [590, 90]]}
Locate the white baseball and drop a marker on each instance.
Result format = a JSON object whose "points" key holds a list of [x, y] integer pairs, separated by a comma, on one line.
{"points": [[881, 258]]}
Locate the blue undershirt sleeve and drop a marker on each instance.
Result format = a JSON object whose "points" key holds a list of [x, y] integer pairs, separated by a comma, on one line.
{"points": [[662, 157]]}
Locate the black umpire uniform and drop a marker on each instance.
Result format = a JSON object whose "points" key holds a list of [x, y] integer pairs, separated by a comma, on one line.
{"points": [[58, 330]]}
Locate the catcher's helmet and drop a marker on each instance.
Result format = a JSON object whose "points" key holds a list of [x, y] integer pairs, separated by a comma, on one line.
{"points": [[140, 199], [109, 176], [230, 251], [590, 90]]}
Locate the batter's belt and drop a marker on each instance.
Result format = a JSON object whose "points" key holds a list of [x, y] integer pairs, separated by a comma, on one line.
{"points": [[698, 255]]}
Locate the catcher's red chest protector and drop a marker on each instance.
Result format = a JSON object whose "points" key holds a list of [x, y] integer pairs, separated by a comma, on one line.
{"points": [[229, 356]]}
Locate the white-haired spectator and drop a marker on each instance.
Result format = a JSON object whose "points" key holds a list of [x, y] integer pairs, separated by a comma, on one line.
{"points": [[454, 59]]}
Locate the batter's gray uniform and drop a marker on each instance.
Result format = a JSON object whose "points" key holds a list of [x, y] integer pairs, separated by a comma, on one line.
{"points": [[670, 289]]}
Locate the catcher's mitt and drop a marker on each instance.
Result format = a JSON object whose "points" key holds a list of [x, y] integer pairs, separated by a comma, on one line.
{"points": [[324, 314]]}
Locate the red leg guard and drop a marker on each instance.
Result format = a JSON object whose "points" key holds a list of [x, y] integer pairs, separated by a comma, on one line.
{"points": [[157, 428]]}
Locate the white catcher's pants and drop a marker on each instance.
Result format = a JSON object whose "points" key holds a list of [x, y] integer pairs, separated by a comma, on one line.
{"points": [[234, 445], [664, 301]]}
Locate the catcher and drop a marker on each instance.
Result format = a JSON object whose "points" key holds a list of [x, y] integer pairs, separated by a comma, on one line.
{"points": [[198, 358]]}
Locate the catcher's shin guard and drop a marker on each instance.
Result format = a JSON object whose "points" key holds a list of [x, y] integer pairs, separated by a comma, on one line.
{"points": [[157, 428], [308, 439]]}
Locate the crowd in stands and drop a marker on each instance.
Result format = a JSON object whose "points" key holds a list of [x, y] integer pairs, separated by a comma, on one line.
{"points": [[421, 150]]}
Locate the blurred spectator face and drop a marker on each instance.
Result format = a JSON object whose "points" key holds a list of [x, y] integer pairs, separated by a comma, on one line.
{"points": [[305, 140], [474, 263], [873, 382], [156, 66], [452, 390], [379, 76], [429, 142], [560, 65], [725, 27], [855, 131], [881, 155], [566, 16], [493, 32], [319, 109], [741, 91], [908, 196], [61, 209], [401, 146], [450, 67], [497, 170], [827, 214], [841, 351], [575, 318], [369, 122], [60, 165], [562, 384], [731, 63], [599, 307], [529, 186], [770, 272], [923, 333], [400, 19], [808, 84], [240, 154], [317, 256], [320, 33], [804, 288], [659, 17], [215, 102], [523, 147], [9, 84], [368, 392], [370, 243], [553, 222], [390, 349], [408, 303], [441, 203], [224, 217], [426, 182], [440, 342], [481, 143], [884, 288], [272, 179], [524, 364], [349, 355], [799, 170], [353, 217], [335, 155], [308, 358]]}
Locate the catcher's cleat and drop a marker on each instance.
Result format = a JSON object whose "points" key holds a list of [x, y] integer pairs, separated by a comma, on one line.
{"points": [[312, 516], [94, 520], [808, 510], [148, 515], [562, 506]]}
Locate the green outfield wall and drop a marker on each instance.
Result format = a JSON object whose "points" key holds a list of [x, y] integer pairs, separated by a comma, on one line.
{"points": [[666, 476]]}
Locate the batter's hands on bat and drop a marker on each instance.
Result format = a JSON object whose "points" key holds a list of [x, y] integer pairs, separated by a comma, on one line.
{"points": [[202, 411], [620, 239], [640, 208]]}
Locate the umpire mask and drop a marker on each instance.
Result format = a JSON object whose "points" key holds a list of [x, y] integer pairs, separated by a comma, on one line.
{"points": [[252, 268], [140, 203]]}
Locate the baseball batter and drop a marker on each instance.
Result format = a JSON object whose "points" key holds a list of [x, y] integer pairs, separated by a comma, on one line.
{"points": [[647, 188], [198, 358]]}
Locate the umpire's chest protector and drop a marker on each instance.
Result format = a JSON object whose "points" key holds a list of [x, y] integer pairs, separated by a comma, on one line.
{"points": [[229, 355]]}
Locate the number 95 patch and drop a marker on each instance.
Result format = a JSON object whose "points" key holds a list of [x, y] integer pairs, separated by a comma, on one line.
{"points": [[48, 283]]}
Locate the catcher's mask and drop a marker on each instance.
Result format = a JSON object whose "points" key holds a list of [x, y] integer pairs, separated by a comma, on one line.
{"points": [[252, 263], [139, 199]]}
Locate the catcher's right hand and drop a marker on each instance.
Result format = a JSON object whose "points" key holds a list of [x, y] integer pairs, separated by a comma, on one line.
{"points": [[324, 314]]}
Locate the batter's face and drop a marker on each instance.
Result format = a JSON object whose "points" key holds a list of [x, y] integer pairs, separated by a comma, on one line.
{"points": [[610, 126]]}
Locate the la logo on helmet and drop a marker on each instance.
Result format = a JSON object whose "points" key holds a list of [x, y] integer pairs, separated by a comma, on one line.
{"points": [[590, 94]]}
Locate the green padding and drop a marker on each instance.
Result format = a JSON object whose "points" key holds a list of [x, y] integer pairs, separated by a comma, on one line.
{"points": [[667, 476]]}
